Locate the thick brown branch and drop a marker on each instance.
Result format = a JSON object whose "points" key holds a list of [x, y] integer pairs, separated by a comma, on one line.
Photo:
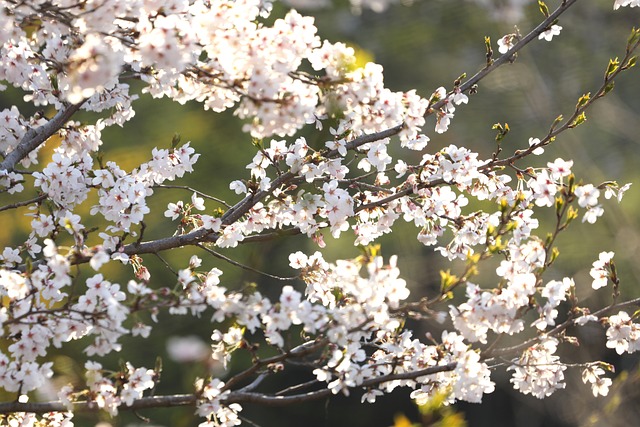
{"points": [[233, 397], [299, 351], [142, 403], [34, 137], [244, 206]]}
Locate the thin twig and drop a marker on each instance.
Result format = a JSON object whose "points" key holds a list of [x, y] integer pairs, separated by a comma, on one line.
{"points": [[297, 387], [244, 267], [233, 397], [561, 327], [24, 203], [193, 190]]}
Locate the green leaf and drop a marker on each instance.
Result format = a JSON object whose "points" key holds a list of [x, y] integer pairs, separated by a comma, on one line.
{"points": [[630, 63], [489, 54], [572, 214], [447, 280], [543, 8], [556, 122], [502, 131], [613, 66], [608, 88], [579, 120], [158, 365], [257, 143], [584, 99], [633, 37], [175, 141]]}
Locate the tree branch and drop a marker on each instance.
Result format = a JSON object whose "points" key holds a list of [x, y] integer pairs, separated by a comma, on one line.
{"points": [[193, 190], [263, 399], [506, 57], [142, 403], [243, 206], [233, 397], [24, 203], [561, 327], [243, 266], [36, 136]]}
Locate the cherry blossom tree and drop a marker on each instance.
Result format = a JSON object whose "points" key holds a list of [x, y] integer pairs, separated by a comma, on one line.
{"points": [[343, 320]]}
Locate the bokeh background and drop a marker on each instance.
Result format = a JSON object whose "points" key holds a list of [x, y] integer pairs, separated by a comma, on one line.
{"points": [[422, 46]]}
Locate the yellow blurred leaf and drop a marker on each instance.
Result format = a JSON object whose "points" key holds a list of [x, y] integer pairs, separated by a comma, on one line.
{"points": [[363, 57], [401, 420], [454, 419]]}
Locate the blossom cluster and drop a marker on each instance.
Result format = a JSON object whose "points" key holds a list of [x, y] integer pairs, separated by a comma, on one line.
{"points": [[108, 392], [623, 335], [538, 371]]}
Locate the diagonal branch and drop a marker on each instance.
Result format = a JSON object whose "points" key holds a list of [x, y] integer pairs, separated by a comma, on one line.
{"points": [[36, 136], [142, 403], [242, 266], [506, 57], [270, 400], [234, 397], [558, 329], [244, 206], [24, 203]]}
